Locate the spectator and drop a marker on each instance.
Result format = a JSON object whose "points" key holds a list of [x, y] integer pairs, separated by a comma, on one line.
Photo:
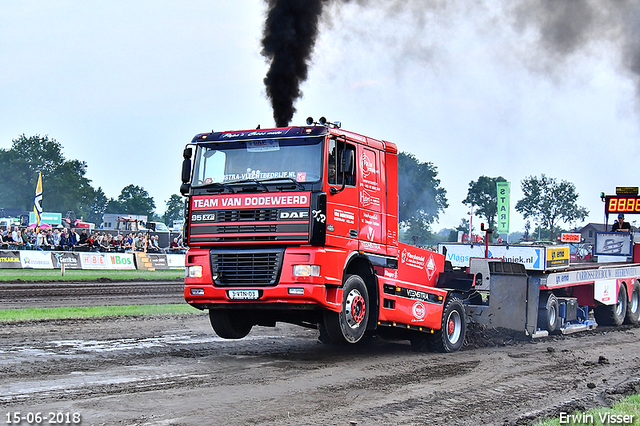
{"points": [[68, 240], [41, 240], [16, 238], [48, 240], [153, 245], [55, 238], [620, 225], [28, 238], [127, 242], [116, 244], [139, 242], [83, 241]]}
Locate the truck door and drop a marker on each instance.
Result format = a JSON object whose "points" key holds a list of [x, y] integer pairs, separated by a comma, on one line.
{"points": [[342, 197], [369, 197]]}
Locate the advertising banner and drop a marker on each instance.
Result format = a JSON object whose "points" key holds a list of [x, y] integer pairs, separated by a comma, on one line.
{"points": [[533, 258], [69, 259], [158, 261], [613, 244], [52, 219], [503, 207], [175, 261], [36, 260], [94, 261], [557, 257], [121, 261], [10, 259]]}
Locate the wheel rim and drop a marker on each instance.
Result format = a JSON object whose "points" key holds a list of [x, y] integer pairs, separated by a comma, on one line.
{"points": [[620, 304], [634, 302], [454, 326], [355, 308], [552, 317]]}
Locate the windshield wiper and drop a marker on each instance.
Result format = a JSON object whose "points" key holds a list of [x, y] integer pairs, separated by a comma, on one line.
{"points": [[257, 182], [217, 187], [298, 184]]}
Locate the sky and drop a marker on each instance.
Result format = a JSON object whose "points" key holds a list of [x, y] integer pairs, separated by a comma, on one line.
{"points": [[488, 87]]}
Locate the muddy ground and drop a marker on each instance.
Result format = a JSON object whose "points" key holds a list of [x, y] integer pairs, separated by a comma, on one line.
{"points": [[173, 370]]}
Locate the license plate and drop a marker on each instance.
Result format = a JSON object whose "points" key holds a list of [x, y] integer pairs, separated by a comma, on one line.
{"points": [[243, 294]]}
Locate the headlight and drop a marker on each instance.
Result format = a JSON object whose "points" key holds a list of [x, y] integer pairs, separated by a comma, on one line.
{"points": [[193, 271], [306, 270]]}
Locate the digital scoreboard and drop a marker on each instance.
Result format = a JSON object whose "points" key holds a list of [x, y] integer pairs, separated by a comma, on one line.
{"points": [[626, 200], [622, 204]]}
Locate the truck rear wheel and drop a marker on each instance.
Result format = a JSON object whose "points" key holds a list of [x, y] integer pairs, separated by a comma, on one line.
{"points": [[633, 305], [612, 314], [229, 324], [350, 324], [450, 337], [548, 312]]}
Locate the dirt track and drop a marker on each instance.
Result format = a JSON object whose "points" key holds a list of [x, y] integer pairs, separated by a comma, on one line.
{"points": [[175, 371]]}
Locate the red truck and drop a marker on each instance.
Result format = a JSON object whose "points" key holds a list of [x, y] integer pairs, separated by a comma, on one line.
{"points": [[300, 225]]}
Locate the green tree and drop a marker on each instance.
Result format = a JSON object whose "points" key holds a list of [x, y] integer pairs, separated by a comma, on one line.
{"points": [[175, 210], [65, 186], [482, 195], [549, 201], [94, 206], [133, 200], [420, 196]]}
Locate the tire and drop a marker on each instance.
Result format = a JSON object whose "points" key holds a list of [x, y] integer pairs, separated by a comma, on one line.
{"points": [[323, 336], [633, 305], [350, 324], [229, 324], [548, 312], [420, 342], [613, 314], [453, 328]]}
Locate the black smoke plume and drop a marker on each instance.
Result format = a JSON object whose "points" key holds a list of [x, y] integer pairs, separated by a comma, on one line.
{"points": [[289, 37]]}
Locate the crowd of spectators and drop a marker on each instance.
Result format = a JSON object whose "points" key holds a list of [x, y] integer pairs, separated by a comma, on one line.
{"points": [[70, 239]]}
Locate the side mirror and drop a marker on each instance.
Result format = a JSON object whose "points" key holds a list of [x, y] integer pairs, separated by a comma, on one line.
{"points": [[186, 165], [186, 171]]}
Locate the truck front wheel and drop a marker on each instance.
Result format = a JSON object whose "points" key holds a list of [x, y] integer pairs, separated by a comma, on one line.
{"points": [[350, 324], [450, 337], [229, 324]]}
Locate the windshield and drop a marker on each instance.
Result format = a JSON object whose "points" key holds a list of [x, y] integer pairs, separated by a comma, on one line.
{"points": [[268, 159]]}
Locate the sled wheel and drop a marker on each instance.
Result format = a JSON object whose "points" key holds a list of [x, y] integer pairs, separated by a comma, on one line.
{"points": [[229, 324], [450, 337], [633, 305], [548, 312], [350, 324], [612, 314]]}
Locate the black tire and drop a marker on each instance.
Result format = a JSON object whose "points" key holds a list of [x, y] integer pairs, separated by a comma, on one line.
{"points": [[613, 314], [229, 324], [548, 312], [633, 305], [453, 328], [420, 342], [350, 324]]}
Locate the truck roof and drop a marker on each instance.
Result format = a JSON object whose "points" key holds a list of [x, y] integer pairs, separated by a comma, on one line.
{"points": [[291, 132]]}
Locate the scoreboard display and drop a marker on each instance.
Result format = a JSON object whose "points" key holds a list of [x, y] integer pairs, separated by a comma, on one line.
{"points": [[622, 204]]}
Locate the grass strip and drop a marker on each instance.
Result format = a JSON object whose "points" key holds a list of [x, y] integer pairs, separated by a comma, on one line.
{"points": [[31, 314], [624, 412], [88, 275]]}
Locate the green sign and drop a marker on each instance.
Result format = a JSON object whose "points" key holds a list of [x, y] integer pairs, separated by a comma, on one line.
{"points": [[503, 207], [52, 219]]}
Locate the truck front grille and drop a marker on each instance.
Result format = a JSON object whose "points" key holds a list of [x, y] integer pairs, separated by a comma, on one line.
{"points": [[247, 268]]}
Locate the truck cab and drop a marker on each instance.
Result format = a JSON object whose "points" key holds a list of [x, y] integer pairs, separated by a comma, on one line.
{"points": [[300, 224]]}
